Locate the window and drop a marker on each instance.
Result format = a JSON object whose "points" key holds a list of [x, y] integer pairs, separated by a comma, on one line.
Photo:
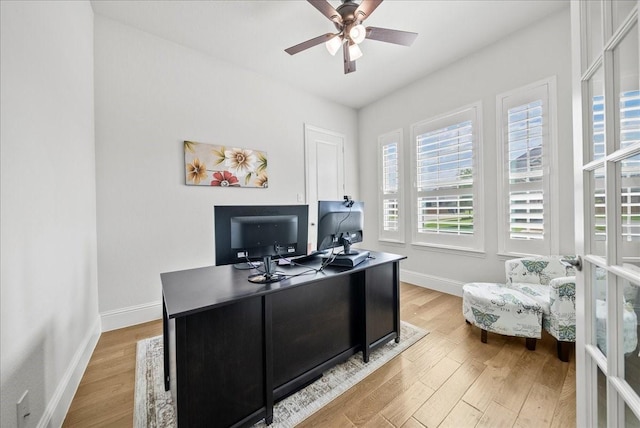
{"points": [[446, 156], [525, 129], [391, 224]]}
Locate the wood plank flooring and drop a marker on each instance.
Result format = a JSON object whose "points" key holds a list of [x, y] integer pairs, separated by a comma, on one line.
{"points": [[447, 379]]}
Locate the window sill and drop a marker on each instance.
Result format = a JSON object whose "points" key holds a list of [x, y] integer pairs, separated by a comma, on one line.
{"points": [[391, 241], [461, 251], [507, 256]]}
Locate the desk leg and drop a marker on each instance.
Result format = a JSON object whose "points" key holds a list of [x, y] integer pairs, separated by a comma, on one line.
{"points": [[396, 298], [165, 343], [268, 358], [366, 350]]}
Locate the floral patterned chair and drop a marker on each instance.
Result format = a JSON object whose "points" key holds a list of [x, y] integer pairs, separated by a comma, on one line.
{"points": [[550, 281], [547, 284], [536, 286]]}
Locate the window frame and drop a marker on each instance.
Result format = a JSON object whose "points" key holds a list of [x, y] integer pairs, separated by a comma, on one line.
{"points": [[473, 243], [396, 136], [545, 88]]}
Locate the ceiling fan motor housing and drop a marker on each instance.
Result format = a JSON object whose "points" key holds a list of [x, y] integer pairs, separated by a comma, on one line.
{"points": [[347, 13]]}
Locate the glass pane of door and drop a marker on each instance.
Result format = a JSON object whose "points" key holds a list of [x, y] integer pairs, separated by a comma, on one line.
{"points": [[630, 333], [621, 9], [629, 190], [627, 90], [596, 118], [594, 30], [599, 213], [630, 419], [601, 408], [599, 306]]}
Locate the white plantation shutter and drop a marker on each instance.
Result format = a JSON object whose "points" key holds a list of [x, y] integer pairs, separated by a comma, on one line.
{"points": [[391, 227], [446, 181], [525, 154], [525, 128]]}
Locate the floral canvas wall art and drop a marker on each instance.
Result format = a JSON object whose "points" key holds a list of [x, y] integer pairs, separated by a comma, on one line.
{"points": [[220, 166]]}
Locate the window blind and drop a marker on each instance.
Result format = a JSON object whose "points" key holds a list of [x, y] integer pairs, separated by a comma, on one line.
{"points": [[391, 223], [525, 137], [445, 168], [390, 187]]}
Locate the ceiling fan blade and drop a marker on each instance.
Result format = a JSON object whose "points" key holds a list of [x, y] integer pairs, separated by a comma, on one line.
{"points": [[327, 10], [309, 43], [366, 8], [398, 37], [349, 66]]}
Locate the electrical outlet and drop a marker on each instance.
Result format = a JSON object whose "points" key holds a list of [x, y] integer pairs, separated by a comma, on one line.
{"points": [[22, 407]]}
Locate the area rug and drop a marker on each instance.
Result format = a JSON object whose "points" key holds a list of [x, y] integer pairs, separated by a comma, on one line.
{"points": [[154, 406]]}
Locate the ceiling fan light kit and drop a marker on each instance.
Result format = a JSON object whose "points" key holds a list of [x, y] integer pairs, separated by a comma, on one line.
{"points": [[334, 44], [348, 18], [357, 33], [354, 52]]}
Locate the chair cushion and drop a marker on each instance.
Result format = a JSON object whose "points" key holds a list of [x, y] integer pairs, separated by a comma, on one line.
{"points": [[496, 308], [538, 292]]}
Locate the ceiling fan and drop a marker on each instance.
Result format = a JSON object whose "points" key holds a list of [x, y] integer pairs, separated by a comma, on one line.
{"points": [[348, 18]]}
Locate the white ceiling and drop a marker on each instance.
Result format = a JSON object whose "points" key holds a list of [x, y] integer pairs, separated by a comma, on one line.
{"points": [[254, 34]]}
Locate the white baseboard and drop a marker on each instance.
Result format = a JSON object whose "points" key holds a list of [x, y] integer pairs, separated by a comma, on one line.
{"points": [[443, 285], [132, 315], [58, 406]]}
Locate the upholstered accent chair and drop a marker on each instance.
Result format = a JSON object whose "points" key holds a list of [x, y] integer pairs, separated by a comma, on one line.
{"points": [[550, 281], [545, 284], [542, 286]]}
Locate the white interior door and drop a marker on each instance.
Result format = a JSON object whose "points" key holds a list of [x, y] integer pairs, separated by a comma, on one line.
{"points": [[324, 170], [606, 100]]}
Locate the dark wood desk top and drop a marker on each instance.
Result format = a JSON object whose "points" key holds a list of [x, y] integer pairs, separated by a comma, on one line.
{"points": [[189, 291]]}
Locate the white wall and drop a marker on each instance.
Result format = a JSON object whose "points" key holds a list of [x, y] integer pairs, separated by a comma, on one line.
{"points": [[532, 54], [151, 95], [49, 307]]}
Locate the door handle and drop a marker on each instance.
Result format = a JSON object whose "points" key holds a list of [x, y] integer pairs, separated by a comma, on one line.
{"points": [[576, 263]]}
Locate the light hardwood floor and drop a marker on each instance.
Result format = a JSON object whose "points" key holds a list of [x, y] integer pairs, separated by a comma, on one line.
{"points": [[447, 379]]}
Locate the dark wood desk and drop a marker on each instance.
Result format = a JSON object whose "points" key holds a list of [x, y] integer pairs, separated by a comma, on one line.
{"points": [[232, 348]]}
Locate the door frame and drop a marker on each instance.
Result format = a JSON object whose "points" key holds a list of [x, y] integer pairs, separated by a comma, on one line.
{"points": [[309, 169]]}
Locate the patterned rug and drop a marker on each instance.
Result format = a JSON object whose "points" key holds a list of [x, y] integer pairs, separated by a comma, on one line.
{"points": [[154, 406]]}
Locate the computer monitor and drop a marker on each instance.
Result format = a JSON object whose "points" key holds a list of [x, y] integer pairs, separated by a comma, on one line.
{"points": [[245, 233], [340, 224]]}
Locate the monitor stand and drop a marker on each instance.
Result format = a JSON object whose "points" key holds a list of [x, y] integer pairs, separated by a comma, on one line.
{"points": [[269, 275]]}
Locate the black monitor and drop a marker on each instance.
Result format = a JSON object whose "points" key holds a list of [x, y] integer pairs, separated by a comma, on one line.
{"points": [[245, 233], [340, 224]]}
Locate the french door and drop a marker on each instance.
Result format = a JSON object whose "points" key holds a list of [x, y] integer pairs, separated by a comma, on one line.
{"points": [[606, 102]]}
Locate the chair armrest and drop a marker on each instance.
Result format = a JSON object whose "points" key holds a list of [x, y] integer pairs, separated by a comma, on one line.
{"points": [[562, 294], [561, 322]]}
